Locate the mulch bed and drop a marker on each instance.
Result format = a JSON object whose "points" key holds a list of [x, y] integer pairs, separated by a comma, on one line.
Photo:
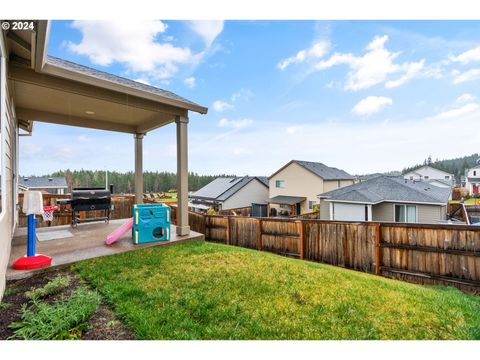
{"points": [[103, 325]]}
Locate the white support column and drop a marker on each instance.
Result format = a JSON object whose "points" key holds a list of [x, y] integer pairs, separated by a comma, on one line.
{"points": [[369, 212], [139, 168], [182, 176]]}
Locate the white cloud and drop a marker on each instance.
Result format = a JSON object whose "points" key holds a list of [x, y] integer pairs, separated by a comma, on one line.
{"points": [[394, 144], [220, 106], [235, 124], [371, 105], [374, 67], [411, 71], [243, 94], [190, 82], [133, 44], [208, 30], [467, 56], [316, 51], [465, 98], [469, 75], [143, 81], [455, 114]]}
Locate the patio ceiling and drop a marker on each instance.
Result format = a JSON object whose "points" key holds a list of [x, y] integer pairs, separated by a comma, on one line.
{"points": [[53, 90]]}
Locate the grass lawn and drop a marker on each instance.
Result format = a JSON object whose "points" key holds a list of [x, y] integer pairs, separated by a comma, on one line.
{"points": [[471, 201], [210, 291]]}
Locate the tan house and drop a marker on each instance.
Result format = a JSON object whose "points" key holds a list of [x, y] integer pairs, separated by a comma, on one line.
{"points": [[294, 187], [38, 87]]}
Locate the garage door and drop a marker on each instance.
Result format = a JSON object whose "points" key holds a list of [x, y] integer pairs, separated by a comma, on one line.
{"points": [[349, 212]]}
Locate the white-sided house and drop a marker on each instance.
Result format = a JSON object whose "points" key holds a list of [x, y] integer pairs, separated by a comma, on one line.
{"points": [[389, 199], [227, 193], [295, 186], [472, 179], [37, 87], [427, 173], [52, 185]]}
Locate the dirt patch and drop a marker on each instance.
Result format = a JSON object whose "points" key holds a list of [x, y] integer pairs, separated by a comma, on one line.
{"points": [[103, 325]]}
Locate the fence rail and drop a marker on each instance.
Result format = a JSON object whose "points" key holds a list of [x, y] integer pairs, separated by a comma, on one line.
{"points": [[420, 253]]}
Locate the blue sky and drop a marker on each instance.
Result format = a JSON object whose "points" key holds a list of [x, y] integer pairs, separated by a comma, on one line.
{"points": [[364, 96]]}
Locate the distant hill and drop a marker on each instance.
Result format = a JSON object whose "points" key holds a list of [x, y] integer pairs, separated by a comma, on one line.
{"points": [[455, 166]]}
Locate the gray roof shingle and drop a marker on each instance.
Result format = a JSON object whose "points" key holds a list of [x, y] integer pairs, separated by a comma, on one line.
{"points": [[68, 65], [33, 182], [221, 189], [321, 170], [385, 188]]}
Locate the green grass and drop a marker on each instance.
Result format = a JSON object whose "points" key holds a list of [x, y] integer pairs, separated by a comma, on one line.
{"points": [[52, 287], [471, 201], [63, 319], [210, 291]]}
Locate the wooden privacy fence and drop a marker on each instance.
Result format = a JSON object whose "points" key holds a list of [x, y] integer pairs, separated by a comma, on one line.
{"points": [[122, 209], [421, 253]]}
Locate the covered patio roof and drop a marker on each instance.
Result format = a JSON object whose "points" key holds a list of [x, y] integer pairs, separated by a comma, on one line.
{"points": [[286, 200], [48, 89], [53, 90]]}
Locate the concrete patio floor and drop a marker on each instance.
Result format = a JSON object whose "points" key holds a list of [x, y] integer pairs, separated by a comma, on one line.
{"points": [[87, 242]]}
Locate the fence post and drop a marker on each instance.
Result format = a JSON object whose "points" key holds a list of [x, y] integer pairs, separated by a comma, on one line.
{"points": [[300, 238], [259, 235], [228, 229], [377, 248]]}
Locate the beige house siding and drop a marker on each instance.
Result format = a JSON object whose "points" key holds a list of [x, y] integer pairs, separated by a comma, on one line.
{"points": [[429, 213], [383, 212], [298, 182], [324, 210], [329, 185], [9, 142], [253, 192]]}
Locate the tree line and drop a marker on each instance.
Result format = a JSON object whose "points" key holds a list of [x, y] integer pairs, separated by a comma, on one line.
{"points": [[455, 166], [153, 181]]}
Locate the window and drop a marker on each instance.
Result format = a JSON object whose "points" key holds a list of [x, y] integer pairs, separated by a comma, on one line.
{"points": [[338, 183], [405, 213], [280, 184], [474, 173], [311, 204], [411, 177], [426, 177], [447, 177]]}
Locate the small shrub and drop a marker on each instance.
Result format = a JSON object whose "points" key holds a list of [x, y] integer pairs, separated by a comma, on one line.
{"points": [[4, 305], [63, 319], [52, 287]]}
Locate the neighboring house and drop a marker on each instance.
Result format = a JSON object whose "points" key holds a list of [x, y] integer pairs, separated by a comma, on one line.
{"points": [[37, 87], [472, 179], [294, 187], [231, 193], [429, 173], [384, 198], [52, 185]]}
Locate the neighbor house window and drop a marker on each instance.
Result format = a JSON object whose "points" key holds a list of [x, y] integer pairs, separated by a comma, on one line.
{"points": [[411, 177], [474, 173], [447, 177], [426, 177], [405, 213], [280, 184], [311, 204]]}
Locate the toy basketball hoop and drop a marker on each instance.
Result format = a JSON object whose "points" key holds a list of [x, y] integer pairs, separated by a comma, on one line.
{"points": [[48, 212]]}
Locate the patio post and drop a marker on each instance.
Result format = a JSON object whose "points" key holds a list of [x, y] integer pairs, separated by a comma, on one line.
{"points": [[139, 168], [182, 175]]}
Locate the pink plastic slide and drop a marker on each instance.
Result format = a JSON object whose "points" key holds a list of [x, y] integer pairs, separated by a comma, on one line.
{"points": [[115, 235]]}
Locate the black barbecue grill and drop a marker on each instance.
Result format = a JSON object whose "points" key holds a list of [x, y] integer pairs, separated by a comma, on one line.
{"points": [[89, 199]]}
